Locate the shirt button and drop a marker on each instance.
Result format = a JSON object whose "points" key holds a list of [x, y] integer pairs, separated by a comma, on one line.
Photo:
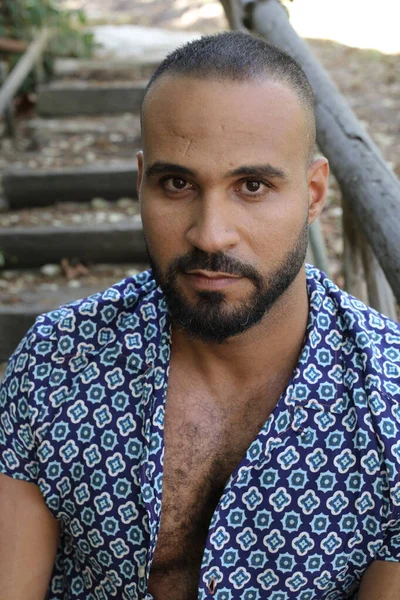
{"points": [[212, 584], [141, 571]]}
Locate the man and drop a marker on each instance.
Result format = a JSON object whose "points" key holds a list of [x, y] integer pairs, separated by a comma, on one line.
{"points": [[227, 424]]}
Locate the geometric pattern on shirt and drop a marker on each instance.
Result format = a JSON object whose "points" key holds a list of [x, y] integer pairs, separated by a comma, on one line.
{"points": [[314, 500]]}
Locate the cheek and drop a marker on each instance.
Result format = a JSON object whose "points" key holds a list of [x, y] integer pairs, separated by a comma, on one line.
{"points": [[163, 231], [274, 228], [279, 214]]}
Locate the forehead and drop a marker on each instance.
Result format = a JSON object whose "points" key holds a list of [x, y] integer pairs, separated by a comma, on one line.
{"points": [[189, 120]]}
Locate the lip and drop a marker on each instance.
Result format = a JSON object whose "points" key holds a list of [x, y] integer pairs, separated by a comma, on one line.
{"points": [[210, 280], [212, 274]]}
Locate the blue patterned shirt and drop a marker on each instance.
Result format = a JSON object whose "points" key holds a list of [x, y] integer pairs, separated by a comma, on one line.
{"points": [[314, 500]]}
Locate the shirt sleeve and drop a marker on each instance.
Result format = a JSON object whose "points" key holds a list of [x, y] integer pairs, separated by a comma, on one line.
{"points": [[387, 428], [20, 409], [390, 549]]}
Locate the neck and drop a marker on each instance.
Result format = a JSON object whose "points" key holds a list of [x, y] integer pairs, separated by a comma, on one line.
{"points": [[267, 351]]}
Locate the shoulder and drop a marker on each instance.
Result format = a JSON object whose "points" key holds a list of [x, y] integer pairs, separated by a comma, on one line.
{"points": [[90, 357], [368, 339], [64, 339], [84, 355], [88, 324], [109, 308]]}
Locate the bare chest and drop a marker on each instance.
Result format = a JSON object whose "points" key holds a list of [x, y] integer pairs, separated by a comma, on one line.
{"points": [[203, 446]]}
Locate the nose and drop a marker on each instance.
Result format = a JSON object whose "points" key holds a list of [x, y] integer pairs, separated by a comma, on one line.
{"points": [[213, 227]]}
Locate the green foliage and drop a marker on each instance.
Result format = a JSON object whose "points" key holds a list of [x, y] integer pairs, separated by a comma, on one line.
{"points": [[20, 19]]}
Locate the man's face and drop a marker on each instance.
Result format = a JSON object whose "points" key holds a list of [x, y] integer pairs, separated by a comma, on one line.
{"points": [[226, 197]]}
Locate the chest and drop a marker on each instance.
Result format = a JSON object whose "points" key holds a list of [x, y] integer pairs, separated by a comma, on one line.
{"points": [[204, 443]]}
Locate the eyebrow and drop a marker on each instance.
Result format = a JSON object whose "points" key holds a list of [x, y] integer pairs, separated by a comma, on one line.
{"points": [[263, 170], [266, 170], [158, 168]]}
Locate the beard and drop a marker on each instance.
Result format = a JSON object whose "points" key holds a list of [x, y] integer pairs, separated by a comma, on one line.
{"points": [[211, 319]]}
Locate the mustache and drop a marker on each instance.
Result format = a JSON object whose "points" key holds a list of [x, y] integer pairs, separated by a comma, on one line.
{"points": [[216, 262]]}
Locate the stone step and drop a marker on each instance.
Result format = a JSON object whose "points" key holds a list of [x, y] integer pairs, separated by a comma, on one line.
{"points": [[34, 246], [30, 293], [14, 323], [89, 98], [31, 187], [126, 124], [127, 69]]}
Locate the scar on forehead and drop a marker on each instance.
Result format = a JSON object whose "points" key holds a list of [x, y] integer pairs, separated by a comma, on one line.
{"points": [[186, 146]]}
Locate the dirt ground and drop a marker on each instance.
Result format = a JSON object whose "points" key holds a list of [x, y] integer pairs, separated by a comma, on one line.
{"points": [[191, 15]]}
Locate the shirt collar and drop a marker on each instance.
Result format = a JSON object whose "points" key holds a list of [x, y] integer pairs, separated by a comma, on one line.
{"points": [[145, 343]]}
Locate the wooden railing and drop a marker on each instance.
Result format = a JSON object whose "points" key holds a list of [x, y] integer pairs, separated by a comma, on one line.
{"points": [[30, 60], [370, 190]]}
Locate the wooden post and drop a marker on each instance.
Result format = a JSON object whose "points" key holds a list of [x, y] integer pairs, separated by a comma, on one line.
{"points": [[39, 72], [310, 256], [353, 266], [234, 13], [379, 292], [364, 277], [317, 244], [371, 188], [9, 115]]}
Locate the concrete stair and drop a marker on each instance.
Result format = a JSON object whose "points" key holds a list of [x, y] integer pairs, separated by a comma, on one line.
{"points": [[32, 187], [35, 246], [89, 98], [22, 248]]}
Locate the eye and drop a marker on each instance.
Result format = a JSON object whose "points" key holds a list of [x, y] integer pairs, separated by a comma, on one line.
{"points": [[253, 187], [175, 184]]}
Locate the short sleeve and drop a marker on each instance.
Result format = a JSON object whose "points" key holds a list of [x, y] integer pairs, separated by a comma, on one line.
{"points": [[390, 549], [387, 428], [17, 414]]}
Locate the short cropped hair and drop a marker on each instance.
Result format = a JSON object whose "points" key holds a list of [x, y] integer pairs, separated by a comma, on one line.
{"points": [[237, 56]]}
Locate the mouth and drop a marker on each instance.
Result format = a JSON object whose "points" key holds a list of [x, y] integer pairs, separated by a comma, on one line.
{"points": [[212, 274], [203, 279]]}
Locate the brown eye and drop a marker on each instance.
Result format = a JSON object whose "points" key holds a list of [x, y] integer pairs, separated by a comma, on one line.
{"points": [[179, 184], [175, 184], [253, 186]]}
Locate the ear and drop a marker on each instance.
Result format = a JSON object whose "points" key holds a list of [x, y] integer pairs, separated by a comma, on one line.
{"points": [[317, 179], [140, 161]]}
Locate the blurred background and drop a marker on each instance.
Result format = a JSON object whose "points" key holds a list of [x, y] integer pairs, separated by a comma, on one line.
{"points": [[69, 222]]}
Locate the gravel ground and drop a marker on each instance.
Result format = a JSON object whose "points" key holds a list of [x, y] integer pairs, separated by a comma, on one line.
{"points": [[71, 142], [98, 211], [189, 15]]}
